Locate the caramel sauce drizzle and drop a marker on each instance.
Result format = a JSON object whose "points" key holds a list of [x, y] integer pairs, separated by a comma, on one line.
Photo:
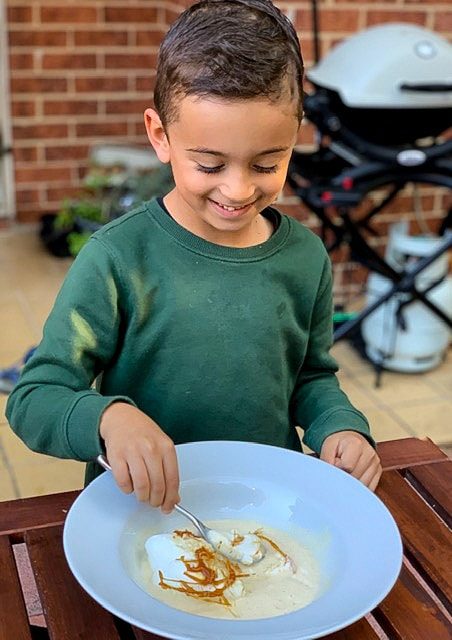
{"points": [[202, 571], [237, 540], [272, 544]]}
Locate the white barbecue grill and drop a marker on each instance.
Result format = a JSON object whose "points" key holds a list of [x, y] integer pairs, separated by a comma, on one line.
{"points": [[380, 103], [391, 83]]}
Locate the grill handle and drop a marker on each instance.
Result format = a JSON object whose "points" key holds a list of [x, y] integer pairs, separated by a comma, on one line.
{"points": [[434, 87]]}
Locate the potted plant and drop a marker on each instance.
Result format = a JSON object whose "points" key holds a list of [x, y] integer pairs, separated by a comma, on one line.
{"points": [[118, 179]]}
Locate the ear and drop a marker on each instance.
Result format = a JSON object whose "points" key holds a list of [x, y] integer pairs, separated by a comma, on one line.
{"points": [[156, 134]]}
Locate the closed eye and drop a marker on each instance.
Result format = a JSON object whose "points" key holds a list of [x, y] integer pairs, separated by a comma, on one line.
{"points": [[260, 169], [256, 167], [201, 167]]}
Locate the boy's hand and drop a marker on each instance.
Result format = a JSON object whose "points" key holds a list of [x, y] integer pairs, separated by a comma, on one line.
{"points": [[142, 457], [350, 451]]}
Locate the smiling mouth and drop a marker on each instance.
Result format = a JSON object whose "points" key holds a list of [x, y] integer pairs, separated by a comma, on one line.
{"points": [[231, 209]]}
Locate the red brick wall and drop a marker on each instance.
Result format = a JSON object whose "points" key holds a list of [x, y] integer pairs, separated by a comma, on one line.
{"points": [[83, 72], [80, 73]]}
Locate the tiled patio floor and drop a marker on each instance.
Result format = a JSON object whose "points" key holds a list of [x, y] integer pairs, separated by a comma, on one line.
{"points": [[405, 405]]}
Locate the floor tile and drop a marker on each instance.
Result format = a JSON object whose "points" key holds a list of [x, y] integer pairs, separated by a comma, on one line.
{"points": [[349, 360], [28, 582], [384, 426], [38, 308], [441, 379], [443, 385], [49, 477], [444, 369], [358, 395], [12, 352], [7, 491], [342, 374], [432, 419], [305, 448], [3, 399], [397, 389], [16, 329], [17, 452]]}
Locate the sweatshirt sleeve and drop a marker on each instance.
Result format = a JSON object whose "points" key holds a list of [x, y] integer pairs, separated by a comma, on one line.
{"points": [[319, 406], [54, 408]]}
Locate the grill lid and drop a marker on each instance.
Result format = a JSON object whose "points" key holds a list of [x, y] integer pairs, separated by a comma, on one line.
{"points": [[393, 65]]}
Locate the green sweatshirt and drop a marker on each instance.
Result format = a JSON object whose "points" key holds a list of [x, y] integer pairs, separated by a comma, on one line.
{"points": [[212, 342]]}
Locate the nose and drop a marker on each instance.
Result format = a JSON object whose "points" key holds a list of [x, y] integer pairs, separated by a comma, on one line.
{"points": [[238, 188]]}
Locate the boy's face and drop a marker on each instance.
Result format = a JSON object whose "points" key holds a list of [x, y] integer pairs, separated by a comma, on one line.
{"points": [[229, 161]]}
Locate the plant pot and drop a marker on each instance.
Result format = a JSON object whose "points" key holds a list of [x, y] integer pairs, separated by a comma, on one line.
{"points": [[54, 239]]}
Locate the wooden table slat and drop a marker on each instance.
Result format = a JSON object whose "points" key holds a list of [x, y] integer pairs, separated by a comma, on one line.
{"points": [[13, 619], [69, 611], [408, 452], [408, 611], [434, 483], [360, 630], [414, 610], [424, 535], [29, 513]]}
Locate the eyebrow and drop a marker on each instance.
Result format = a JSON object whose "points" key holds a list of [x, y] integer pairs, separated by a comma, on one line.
{"points": [[211, 152]]}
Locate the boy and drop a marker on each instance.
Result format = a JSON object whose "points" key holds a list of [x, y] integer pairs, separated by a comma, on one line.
{"points": [[206, 315]]}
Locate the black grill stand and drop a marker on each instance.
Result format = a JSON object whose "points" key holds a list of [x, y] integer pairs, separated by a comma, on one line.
{"points": [[340, 174]]}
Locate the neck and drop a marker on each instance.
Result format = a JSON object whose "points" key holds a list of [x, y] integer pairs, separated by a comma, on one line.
{"points": [[256, 232]]}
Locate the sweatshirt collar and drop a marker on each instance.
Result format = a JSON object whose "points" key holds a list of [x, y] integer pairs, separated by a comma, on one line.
{"points": [[220, 252]]}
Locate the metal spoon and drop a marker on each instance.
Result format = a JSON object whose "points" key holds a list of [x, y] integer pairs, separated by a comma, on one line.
{"points": [[210, 535]]}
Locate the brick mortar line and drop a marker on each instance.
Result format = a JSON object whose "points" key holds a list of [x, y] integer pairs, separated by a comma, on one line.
{"points": [[62, 73], [87, 49]]}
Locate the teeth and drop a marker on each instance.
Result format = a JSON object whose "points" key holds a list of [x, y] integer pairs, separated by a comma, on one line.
{"points": [[223, 206]]}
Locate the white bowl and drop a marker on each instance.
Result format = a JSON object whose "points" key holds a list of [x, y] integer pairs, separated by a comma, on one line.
{"points": [[349, 530]]}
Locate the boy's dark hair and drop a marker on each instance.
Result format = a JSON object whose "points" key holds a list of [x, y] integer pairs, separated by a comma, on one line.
{"points": [[231, 49]]}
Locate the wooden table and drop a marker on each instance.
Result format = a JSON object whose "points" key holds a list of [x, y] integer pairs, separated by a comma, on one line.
{"points": [[416, 487]]}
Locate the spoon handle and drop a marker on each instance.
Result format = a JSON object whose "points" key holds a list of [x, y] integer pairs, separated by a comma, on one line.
{"points": [[102, 460], [197, 523]]}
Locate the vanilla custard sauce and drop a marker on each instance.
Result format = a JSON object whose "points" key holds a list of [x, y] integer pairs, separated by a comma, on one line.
{"points": [[286, 579]]}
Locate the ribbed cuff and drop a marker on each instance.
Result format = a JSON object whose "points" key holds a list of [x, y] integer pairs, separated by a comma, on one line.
{"points": [[334, 421], [82, 424]]}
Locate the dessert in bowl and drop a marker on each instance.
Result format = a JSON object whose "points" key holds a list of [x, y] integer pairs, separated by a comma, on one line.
{"points": [[343, 529], [183, 570]]}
